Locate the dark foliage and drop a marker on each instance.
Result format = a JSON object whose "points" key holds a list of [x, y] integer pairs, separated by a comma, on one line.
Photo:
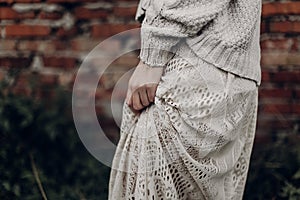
{"points": [[275, 169], [38, 135]]}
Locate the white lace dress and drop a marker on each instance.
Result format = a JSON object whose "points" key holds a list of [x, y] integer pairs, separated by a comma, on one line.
{"points": [[195, 142]]}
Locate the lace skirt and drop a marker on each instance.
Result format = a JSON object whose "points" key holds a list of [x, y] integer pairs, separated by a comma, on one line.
{"points": [[194, 142]]}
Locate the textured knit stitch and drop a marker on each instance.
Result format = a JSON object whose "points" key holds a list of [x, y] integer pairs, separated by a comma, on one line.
{"points": [[224, 33]]}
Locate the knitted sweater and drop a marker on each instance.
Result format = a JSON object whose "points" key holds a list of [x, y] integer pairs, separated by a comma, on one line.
{"points": [[224, 33]]}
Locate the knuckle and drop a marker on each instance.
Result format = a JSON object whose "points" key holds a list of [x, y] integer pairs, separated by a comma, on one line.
{"points": [[144, 86], [137, 107], [152, 97], [149, 86], [145, 103]]}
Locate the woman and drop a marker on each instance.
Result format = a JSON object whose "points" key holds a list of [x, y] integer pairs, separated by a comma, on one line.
{"points": [[190, 113]]}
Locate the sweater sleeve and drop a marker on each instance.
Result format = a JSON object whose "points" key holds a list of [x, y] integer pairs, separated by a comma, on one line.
{"points": [[167, 22]]}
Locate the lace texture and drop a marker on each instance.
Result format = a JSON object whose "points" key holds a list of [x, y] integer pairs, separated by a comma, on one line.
{"points": [[195, 142]]}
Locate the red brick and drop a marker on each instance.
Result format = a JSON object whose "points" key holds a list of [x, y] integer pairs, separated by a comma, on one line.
{"points": [[50, 15], [14, 62], [19, 1], [60, 44], [62, 32], [60, 62], [106, 30], [9, 13], [25, 31], [285, 27], [265, 76], [280, 8], [84, 13], [27, 15], [125, 11], [275, 93], [296, 46]]}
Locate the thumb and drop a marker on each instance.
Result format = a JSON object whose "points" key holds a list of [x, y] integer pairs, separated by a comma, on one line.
{"points": [[129, 97]]}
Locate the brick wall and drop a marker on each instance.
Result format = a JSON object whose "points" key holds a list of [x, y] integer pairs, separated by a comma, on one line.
{"points": [[280, 42], [47, 40]]}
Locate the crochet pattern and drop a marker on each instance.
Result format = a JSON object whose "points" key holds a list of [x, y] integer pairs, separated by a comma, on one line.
{"points": [[194, 143]]}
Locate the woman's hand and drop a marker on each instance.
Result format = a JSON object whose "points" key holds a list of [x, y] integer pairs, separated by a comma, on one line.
{"points": [[142, 86]]}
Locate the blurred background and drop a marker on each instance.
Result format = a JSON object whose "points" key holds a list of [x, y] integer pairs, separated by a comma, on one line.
{"points": [[42, 45]]}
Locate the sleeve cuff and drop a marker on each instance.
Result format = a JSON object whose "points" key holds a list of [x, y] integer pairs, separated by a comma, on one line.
{"points": [[156, 50]]}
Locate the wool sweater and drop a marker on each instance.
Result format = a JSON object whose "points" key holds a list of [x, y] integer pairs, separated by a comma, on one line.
{"points": [[224, 33]]}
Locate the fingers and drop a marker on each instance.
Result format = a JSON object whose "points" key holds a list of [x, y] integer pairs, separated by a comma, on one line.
{"points": [[136, 102], [144, 97], [128, 98], [129, 101], [151, 90], [141, 97], [142, 86]]}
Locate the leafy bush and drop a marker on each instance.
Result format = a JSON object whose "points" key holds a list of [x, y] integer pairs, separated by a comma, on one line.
{"points": [[275, 169], [41, 153]]}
